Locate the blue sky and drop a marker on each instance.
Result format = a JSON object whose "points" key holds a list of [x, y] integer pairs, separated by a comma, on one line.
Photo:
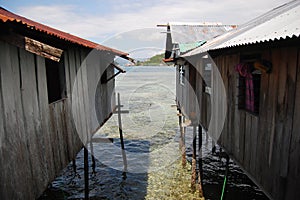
{"points": [[131, 24]]}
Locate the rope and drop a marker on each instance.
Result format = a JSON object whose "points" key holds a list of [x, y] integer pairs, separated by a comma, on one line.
{"points": [[225, 179], [224, 186]]}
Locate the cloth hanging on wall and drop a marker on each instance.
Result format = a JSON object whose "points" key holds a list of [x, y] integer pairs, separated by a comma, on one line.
{"points": [[244, 70]]}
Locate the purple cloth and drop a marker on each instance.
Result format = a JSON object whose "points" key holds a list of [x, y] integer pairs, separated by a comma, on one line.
{"points": [[245, 71]]}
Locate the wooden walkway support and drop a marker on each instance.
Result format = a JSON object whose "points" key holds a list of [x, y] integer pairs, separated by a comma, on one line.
{"points": [[121, 135], [93, 157], [86, 174], [193, 179], [200, 170], [182, 138]]}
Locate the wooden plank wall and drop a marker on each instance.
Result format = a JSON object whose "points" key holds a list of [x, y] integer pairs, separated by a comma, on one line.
{"points": [[267, 145], [37, 140], [194, 104]]}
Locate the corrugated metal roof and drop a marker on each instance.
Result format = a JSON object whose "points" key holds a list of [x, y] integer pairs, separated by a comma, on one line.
{"points": [[280, 23], [195, 32], [6, 16], [185, 47]]}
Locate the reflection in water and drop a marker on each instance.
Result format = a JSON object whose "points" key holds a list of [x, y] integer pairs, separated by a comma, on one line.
{"points": [[151, 141]]}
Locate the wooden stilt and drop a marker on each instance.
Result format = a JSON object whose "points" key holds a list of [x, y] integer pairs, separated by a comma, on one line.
{"points": [[86, 174], [93, 158], [200, 170], [193, 180], [213, 150], [183, 152], [74, 166], [121, 136], [180, 129], [206, 137]]}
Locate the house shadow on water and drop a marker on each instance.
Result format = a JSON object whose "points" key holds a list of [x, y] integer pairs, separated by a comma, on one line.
{"points": [[108, 181]]}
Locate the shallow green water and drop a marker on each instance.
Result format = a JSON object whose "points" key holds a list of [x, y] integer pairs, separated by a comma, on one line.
{"points": [[151, 141]]}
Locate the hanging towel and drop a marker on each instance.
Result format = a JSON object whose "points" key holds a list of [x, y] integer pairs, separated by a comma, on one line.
{"points": [[244, 70]]}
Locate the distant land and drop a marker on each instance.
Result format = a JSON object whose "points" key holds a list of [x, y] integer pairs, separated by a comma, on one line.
{"points": [[153, 61]]}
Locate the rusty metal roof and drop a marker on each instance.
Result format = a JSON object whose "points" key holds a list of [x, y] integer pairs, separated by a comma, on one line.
{"points": [[7, 16], [280, 23]]}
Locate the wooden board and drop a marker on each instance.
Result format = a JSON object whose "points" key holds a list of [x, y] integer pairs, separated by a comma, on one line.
{"points": [[293, 181], [31, 113]]}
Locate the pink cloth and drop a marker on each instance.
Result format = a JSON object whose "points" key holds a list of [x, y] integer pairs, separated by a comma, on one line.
{"points": [[245, 71]]}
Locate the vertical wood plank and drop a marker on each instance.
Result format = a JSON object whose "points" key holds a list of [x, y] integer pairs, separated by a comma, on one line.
{"points": [[262, 157], [68, 115], [293, 181], [253, 145], [45, 118], [12, 138], [85, 94], [31, 113], [73, 110], [248, 135], [242, 131]]}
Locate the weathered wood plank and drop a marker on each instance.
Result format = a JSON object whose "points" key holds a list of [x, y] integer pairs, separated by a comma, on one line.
{"points": [[242, 130], [111, 97], [45, 118], [236, 118], [247, 147], [68, 114], [12, 137], [270, 130], [293, 181], [42, 49], [231, 92], [262, 156], [73, 111], [81, 116], [31, 114], [85, 94], [93, 73], [54, 139], [289, 110], [253, 144]]}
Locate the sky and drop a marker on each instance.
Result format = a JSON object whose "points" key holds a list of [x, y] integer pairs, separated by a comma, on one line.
{"points": [[131, 25]]}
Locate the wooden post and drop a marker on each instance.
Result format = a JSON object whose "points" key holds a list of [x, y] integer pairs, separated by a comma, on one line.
{"points": [[121, 135], [74, 166], [200, 171], [86, 174], [193, 180], [206, 136], [180, 128], [213, 150], [93, 158], [223, 194], [182, 138]]}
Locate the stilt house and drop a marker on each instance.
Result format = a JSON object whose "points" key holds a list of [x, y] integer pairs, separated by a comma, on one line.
{"points": [[250, 102], [56, 90]]}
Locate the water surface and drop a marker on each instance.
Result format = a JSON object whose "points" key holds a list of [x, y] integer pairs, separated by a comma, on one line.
{"points": [[151, 137]]}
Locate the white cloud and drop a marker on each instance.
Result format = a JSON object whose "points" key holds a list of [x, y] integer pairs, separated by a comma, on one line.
{"points": [[145, 14]]}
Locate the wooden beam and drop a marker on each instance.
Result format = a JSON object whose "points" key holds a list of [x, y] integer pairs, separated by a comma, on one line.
{"points": [[118, 68], [32, 45], [42, 49]]}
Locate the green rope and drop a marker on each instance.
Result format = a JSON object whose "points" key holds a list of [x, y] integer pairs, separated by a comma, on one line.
{"points": [[223, 189]]}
